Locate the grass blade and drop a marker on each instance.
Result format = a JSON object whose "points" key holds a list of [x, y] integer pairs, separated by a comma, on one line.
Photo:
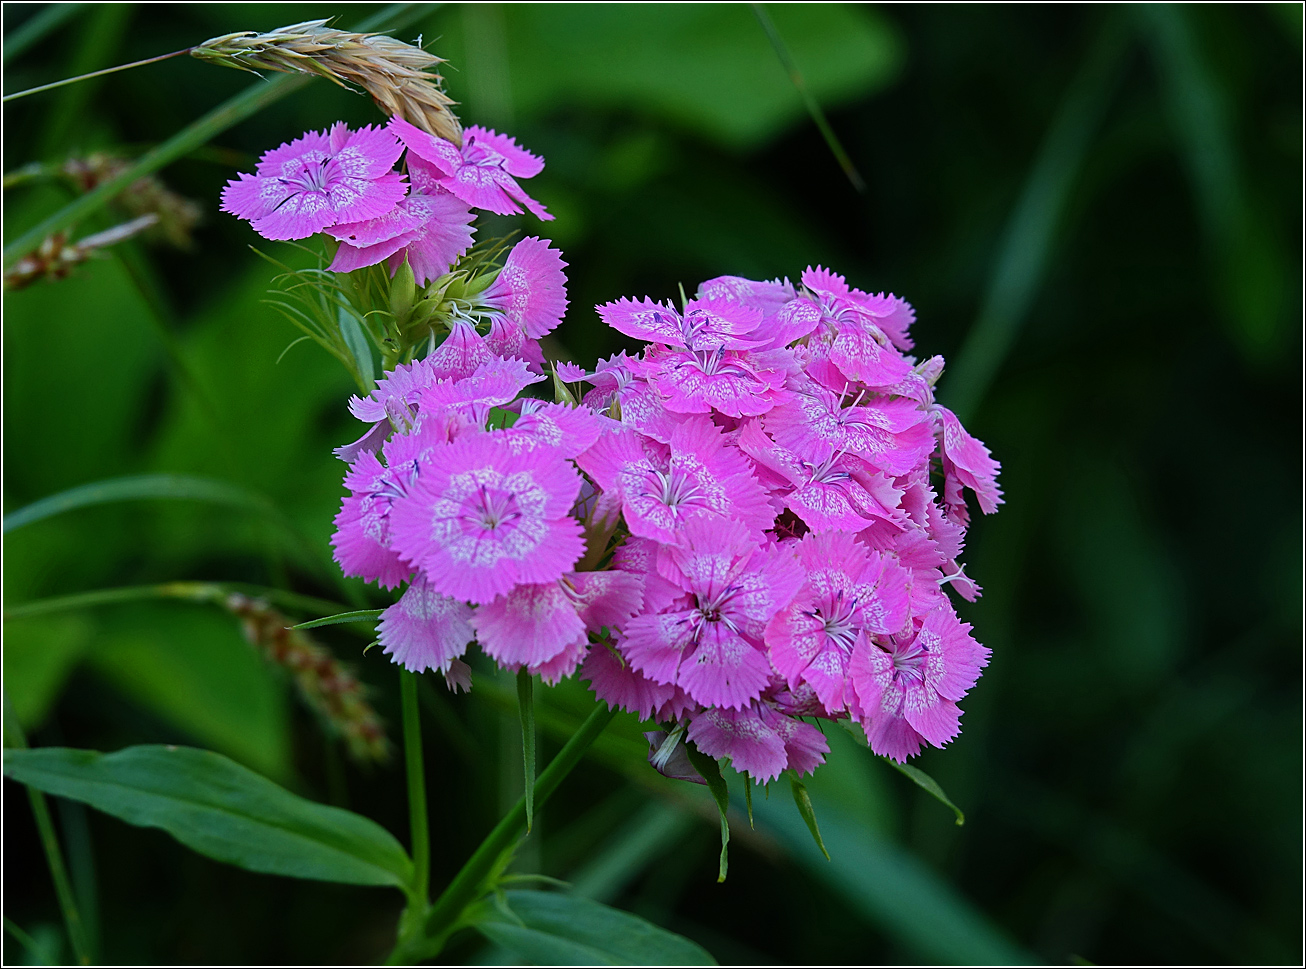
{"points": [[358, 615], [926, 783], [804, 802]]}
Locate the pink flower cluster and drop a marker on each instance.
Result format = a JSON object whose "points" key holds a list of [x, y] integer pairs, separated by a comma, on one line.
{"points": [[343, 183], [748, 526], [777, 469]]}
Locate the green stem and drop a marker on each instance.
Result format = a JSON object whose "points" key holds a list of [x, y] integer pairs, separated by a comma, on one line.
{"points": [[87, 77], [469, 883], [417, 818], [250, 101], [62, 886]]}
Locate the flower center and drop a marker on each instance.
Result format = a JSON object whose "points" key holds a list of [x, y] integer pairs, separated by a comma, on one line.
{"points": [[838, 621], [909, 661], [675, 489], [314, 175], [488, 510]]}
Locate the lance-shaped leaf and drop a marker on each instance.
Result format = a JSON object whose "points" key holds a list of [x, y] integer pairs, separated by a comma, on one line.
{"points": [[220, 809], [547, 928], [358, 615], [526, 709], [918, 776], [711, 771], [927, 783], [804, 802]]}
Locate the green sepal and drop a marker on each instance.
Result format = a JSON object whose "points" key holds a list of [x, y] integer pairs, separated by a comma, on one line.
{"points": [[403, 294], [561, 393]]}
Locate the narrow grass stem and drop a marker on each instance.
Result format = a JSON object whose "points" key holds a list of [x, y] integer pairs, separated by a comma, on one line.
{"points": [[468, 884], [86, 77]]}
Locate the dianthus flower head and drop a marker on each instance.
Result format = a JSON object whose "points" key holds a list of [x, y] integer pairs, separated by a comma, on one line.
{"points": [[481, 519], [849, 595], [321, 179], [701, 476]]}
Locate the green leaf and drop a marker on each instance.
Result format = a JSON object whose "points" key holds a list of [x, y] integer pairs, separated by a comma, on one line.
{"points": [[708, 67], [358, 615], [711, 771], [220, 809], [804, 802], [547, 928], [526, 710]]}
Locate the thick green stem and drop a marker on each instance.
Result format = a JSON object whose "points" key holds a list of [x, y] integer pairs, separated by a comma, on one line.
{"points": [[417, 818], [469, 883]]}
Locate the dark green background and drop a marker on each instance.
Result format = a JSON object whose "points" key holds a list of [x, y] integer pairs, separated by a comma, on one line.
{"points": [[1114, 194]]}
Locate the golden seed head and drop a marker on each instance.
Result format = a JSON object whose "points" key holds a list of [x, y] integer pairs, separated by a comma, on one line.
{"points": [[400, 77]]}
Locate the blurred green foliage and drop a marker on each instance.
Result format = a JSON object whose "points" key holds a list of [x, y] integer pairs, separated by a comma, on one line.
{"points": [[1113, 194]]}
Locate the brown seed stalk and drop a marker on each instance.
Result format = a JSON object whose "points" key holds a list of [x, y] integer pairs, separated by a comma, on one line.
{"points": [[326, 684]]}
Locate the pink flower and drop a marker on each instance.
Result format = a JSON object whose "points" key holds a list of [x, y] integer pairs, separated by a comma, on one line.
{"points": [[908, 690], [481, 519], [430, 231], [531, 289], [966, 461], [362, 537], [535, 625], [728, 381], [706, 325], [702, 476], [850, 595], [319, 180], [619, 684], [483, 172], [713, 646], [426, 630], [759, 740]]}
